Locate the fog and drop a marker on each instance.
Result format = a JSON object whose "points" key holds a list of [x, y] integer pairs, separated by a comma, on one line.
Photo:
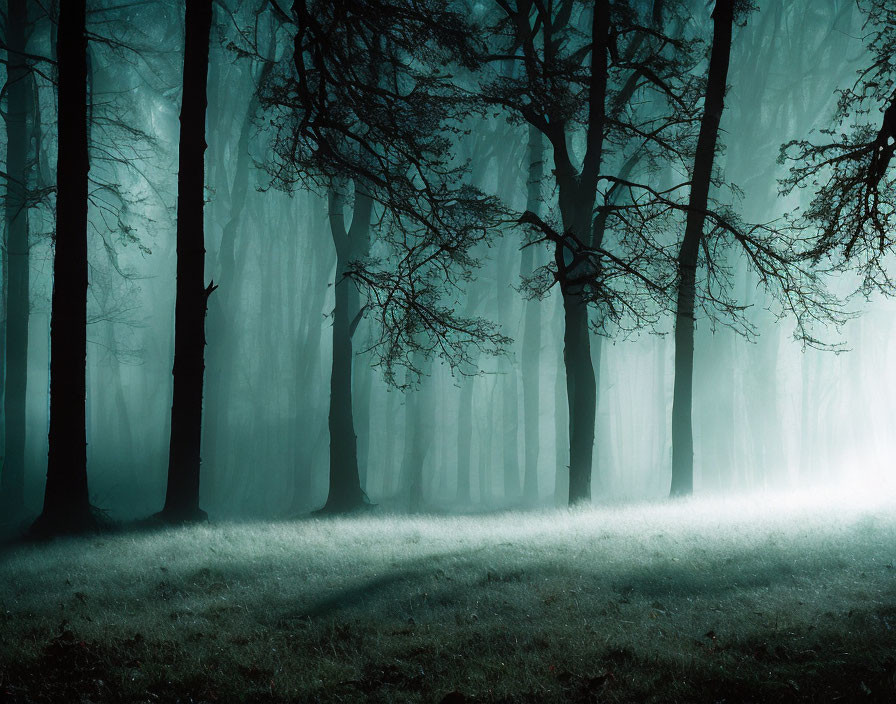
{"points": [[769, 412]]}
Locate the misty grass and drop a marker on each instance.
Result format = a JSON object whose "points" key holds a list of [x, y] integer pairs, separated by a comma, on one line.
{"points": [[689, 601]]}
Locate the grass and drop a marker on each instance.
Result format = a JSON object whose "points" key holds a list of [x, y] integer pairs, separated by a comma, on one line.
{"points": [[755, 599]]}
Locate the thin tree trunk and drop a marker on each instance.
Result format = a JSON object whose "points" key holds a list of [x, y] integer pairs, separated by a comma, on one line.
{"points": [[19, 100], [682, 399], [182, 498], [66, 498]]}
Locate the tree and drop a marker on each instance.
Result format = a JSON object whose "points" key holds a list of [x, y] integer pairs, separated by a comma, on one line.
{"points": [[182, 497], [682, 433], [770, 251], [619, 259], [575, 86], [850, 170], [66, 500], [356, 107], [352, 243]]}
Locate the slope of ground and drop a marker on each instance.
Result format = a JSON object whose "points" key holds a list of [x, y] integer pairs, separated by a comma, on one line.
{"points": [[757, 599]]}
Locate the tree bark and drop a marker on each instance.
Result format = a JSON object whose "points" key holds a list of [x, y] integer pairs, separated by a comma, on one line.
{"points": [[581, 394], [682, 432], [19, 100], [576, 196], [66, 500], [182, 497], [345, 492]]}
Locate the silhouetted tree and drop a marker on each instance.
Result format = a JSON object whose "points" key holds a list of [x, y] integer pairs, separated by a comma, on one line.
{"points": [[66, 500], [713, 234], [355, 106], [182, 497], [682, 433], [352, 243], [578, 66], [850, 170]]}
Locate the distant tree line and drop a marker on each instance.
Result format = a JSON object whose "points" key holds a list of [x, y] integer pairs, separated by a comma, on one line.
{"points": [[371, 104]]}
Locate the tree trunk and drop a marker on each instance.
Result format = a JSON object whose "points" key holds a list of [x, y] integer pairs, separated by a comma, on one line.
{"points": [[66, 500], [182, 498], [345, 492], [581, 384], [682, 431], [19, 100], [576, 197], [581, 394]]}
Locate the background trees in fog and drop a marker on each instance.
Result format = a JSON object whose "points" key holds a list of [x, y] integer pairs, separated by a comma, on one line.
{"points": [[497, 206]]}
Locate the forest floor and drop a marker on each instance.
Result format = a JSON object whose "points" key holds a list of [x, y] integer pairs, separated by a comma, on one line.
{"points": [[755, 599]]}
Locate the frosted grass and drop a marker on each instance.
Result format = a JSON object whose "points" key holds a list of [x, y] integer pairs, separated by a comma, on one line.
{"points": [[315, 603]]}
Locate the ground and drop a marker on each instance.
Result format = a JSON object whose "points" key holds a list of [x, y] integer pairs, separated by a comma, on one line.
{"points": [[755, 599]]}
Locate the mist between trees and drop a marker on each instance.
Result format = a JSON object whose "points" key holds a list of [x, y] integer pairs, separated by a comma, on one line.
{"points": [[441, 256]]}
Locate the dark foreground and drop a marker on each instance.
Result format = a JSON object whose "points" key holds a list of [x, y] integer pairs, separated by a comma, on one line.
{"points": [[691, 602]]}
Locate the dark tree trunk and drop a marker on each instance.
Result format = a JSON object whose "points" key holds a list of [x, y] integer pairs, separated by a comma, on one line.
{"points": [[182, 497], [682, 431], [581, 383], [345, 492], [19, 100], [66, 500], [581, 394], [576, 196]]}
